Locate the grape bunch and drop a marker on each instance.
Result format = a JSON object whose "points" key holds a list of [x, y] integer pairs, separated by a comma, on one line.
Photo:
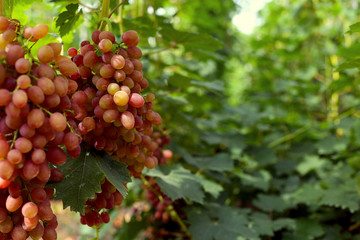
{"points": [[95, 213], [33, 128], [161, 223], [109, 110]]}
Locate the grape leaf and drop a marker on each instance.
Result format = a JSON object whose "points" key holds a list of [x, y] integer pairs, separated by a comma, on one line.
{"points": [[219, 222], [178, 80], [310, 163], [355, 63], [116, 172], [262, 224], [270, 203], [354, 27], [282, 223], [190, 40], [210, 186], [177, 182], [308, 228], [67, 19], [218, 162], [81, 181]]}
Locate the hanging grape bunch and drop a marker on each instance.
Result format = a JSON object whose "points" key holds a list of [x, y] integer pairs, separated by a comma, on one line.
{"points": [[52, 103], [109, 110], [33, 127]]}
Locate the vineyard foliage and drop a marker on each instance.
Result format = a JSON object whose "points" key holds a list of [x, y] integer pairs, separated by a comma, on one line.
{"points": [[265, 127]]}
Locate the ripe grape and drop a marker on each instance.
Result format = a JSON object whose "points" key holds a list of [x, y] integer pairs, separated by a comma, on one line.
{"points": [[40, 31]]}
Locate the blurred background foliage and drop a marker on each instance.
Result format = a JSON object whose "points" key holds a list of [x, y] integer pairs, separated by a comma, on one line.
{"points": [[266, 125]]}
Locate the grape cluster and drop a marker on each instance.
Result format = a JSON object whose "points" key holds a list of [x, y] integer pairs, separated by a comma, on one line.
{"points": [[109, 110], [33, 127], [95, 213], [161, 225]]}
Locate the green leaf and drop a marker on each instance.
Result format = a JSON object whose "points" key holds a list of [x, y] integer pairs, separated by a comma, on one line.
{"points": [[218, 223], [82, 177], [66, 20], [81, 182], [210, 186], [332, 144], [270, 203], [191, 40], [354, 27], [262, 224], [213, 86], [308, 228], [177, 182], [282, 223], [178, 80], [343, 196], [350, 52], [310, 163], [349, 64], [259, 179], [217, 162], [116, 172]]}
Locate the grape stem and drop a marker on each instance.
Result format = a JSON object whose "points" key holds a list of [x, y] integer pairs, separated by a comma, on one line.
{"points": [[162, 50], [112, 11], [97, 233], [14, 138], [170, 208], [86, 6]]}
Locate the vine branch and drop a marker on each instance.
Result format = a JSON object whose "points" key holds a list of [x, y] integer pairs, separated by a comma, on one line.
{"points": [[112, 11], [162, 50]]}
